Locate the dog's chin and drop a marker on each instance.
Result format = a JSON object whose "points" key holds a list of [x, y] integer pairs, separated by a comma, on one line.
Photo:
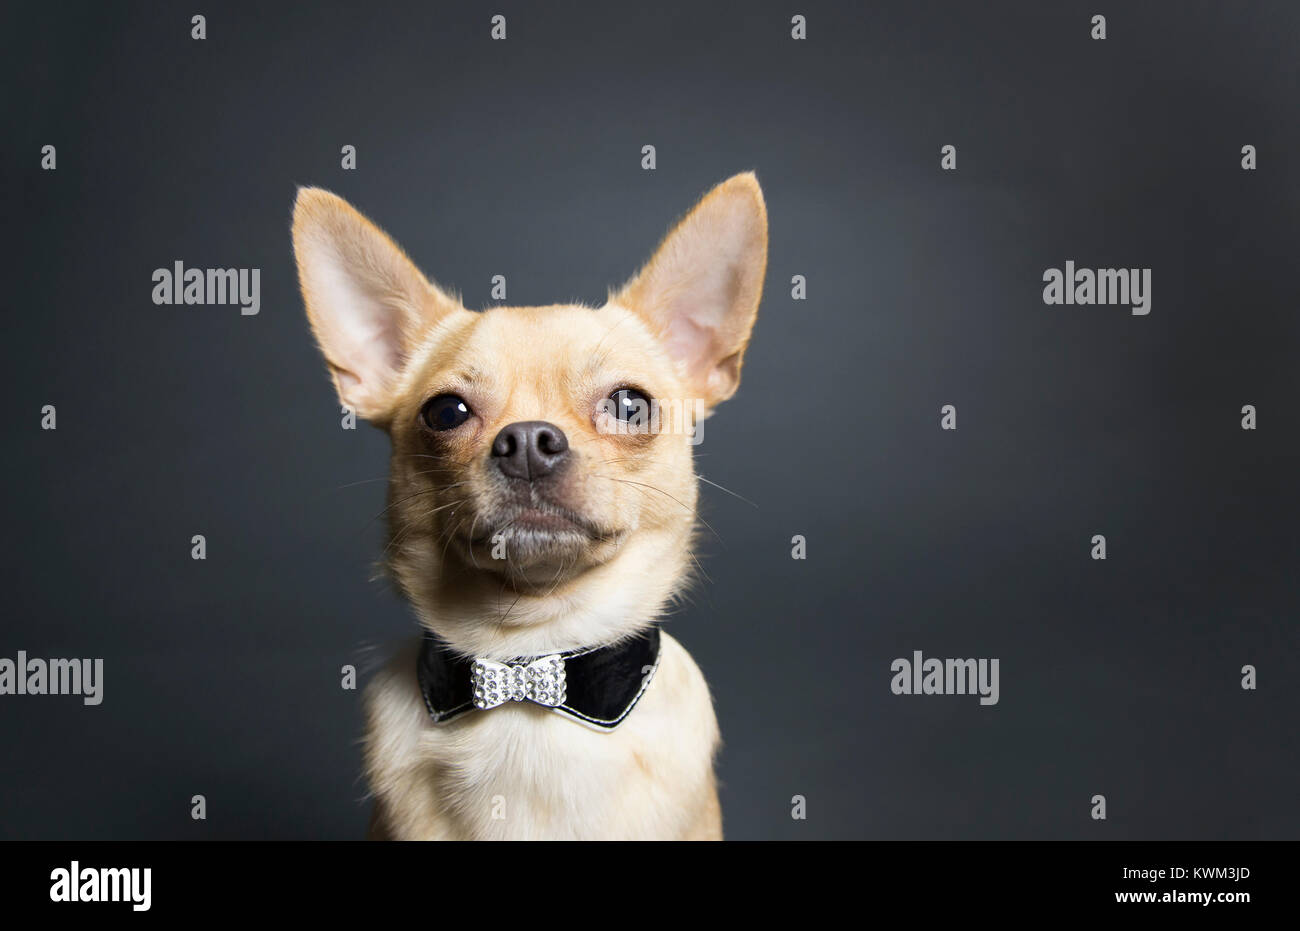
{"points": [[543, 545]]}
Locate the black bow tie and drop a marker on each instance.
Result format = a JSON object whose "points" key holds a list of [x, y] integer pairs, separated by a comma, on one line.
{"points": [[598, 687]]}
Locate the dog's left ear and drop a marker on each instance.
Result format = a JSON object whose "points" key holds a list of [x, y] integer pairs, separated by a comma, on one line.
{"points": [[367, 302], [701, 289]]}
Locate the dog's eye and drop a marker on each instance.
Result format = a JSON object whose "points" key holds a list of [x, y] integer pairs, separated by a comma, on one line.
{"points": [[445, 412], [630, 405]]}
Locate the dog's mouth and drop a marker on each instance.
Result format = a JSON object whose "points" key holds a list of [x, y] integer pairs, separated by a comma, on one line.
{"points": [[538, 526]]}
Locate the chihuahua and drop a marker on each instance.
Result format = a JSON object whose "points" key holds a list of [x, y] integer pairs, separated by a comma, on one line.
{"points": [[540, 523]]}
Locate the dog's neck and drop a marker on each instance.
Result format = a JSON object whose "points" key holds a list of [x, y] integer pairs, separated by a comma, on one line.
{"points": [[479, 614]]}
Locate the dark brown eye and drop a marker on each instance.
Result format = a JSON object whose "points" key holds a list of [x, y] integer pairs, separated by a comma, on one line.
{"points": [[445, 412], [630, 406]]}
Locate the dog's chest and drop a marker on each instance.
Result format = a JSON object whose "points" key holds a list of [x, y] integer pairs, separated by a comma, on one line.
{"points": [[521, 771]]}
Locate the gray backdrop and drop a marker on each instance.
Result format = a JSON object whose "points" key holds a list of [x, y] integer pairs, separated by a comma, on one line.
{"points": [[522, 158]]}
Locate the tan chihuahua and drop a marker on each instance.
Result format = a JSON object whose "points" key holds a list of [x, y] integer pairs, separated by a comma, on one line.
{"points": [[542, 505]]}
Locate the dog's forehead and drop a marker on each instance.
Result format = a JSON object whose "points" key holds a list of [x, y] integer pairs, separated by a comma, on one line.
{"points": [[521, 345], [538, 332]]}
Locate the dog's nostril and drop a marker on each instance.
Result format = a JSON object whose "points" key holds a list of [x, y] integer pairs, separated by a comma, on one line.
{"points": [[552, 441], [505, 444], [530, 449]]}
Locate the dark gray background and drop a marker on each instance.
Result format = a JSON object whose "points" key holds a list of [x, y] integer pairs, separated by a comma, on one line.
{"points": [[522, 158]]}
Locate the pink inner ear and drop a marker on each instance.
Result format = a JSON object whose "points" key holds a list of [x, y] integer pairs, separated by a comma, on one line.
{"points": [[691, 344], [702, 286], [360, 331]]}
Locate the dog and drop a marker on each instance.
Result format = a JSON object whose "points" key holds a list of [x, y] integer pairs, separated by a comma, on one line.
{"points": [[540, 524]]}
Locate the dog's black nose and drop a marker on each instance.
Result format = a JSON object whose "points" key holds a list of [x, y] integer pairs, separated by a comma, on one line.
{"points": [[530, 449]]}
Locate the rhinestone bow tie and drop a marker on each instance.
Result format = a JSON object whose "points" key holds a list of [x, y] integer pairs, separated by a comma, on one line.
{"points": [[540, 680]]}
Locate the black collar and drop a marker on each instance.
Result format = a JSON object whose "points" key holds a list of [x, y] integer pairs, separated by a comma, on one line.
{"points": [[601, 685]]}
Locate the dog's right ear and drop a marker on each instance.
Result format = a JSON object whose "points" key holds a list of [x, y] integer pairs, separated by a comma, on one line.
{"points": [[367, 302], [701, 289]]}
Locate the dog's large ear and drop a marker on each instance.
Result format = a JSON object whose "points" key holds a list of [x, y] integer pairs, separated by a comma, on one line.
{"points": [[701, 289], [367, 302]]}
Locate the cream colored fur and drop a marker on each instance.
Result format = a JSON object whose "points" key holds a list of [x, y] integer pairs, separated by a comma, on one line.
{"points": [[394, 340]]}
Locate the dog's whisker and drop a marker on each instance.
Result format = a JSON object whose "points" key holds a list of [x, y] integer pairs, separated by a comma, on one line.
{"points": [[690, 510], [559, 574], [364, 481], [727, 490], [426, 491], [453, 529], [415, 522], [402, 535], [387, 478], [695, 560], [473, 558], [707, 481], [501, 624]]}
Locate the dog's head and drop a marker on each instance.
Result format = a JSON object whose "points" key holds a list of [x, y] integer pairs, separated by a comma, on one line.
{"points": [[541, 470]]}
